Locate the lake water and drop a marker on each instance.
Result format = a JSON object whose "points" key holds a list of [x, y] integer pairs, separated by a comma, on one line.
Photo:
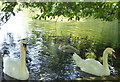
{"points": [[41, 63]]}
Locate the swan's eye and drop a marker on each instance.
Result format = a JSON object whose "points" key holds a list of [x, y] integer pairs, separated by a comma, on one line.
{"points": [[113, 52], [24, 45]]}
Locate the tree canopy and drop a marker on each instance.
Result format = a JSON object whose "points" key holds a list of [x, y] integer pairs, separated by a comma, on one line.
{"points": [[107, 11]]}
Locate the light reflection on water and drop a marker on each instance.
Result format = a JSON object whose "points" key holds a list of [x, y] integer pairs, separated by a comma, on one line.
{"points": [[17, 25], [45, 67], [41, 66]]}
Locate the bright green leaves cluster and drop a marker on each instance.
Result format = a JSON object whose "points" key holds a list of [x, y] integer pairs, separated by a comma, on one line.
{"points": [[107, 11], [8, 6], [6, 10]]}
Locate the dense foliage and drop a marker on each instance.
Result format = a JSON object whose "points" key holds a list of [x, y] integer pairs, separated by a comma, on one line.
{"points": [[73, 10], [6, 11]]}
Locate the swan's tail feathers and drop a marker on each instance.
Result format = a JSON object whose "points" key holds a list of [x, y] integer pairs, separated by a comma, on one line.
{"points": [[77, 59]]}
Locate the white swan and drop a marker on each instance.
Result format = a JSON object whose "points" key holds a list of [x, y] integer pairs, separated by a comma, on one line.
{"points": [[16, 68], [95, 67]]}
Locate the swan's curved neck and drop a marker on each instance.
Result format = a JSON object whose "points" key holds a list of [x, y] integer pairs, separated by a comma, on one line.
{"points": [[105, 60], [22, 58]]}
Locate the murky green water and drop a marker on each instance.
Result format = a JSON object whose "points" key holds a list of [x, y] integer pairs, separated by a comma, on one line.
{"points": [[44, 60], [96, 28]]}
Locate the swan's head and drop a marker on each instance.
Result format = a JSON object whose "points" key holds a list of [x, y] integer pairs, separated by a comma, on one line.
{"points": [[24, 44], [110, 51]]}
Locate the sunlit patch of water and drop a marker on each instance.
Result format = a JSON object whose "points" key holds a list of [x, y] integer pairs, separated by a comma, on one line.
{"points": [[41, 64], [16, 25]]}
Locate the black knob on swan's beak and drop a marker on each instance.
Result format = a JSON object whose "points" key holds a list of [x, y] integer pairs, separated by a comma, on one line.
{"points": [[25, 45]]}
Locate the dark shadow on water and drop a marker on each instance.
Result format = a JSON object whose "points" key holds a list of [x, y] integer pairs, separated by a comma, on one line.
{"points": [[45, 64]]}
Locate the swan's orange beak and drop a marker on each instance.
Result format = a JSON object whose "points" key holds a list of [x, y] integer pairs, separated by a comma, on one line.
{"points": [[113, 55], [25, 48]]}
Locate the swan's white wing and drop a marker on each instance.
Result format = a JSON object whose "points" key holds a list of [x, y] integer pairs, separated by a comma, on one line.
{"points": [[11, 66], [94, 63], [92, 66]]}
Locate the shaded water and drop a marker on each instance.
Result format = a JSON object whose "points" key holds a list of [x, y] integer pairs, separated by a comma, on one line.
{"points": [[45, 66], [42, 64]]}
